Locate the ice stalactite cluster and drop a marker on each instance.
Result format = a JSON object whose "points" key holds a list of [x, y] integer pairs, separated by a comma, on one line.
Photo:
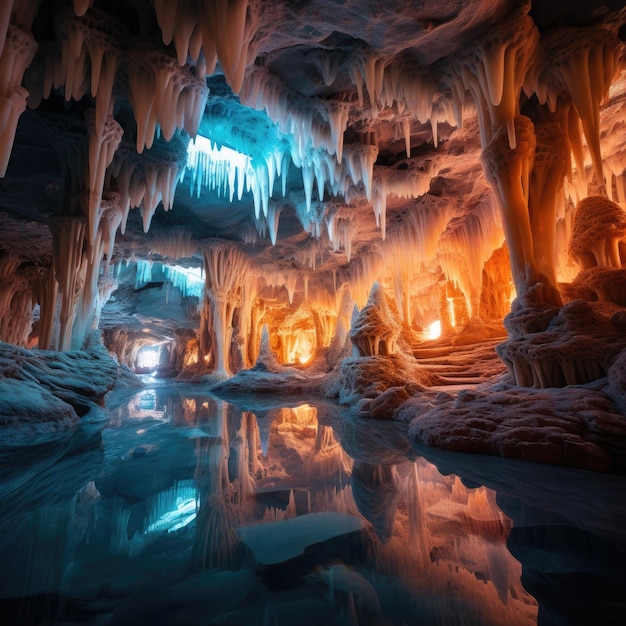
{"points": [[313, 123], [146, 180], [466, 243], [211, 31], [143, 273], [225, 268], [230, 172], [189, 283], [164, 96], [579, 65], [494, 70], [17, 50], [104, 139]]}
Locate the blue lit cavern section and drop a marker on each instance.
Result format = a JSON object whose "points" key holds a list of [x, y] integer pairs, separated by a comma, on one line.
{"points": [[316, 309]]}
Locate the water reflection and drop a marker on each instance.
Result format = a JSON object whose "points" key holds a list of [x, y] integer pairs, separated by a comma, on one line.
{"points": [[203, 511]]}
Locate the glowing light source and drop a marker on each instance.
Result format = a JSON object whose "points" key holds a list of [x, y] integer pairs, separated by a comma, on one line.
{"points": [[148, 357], [303, 348], [434, 330], [174, 509]]}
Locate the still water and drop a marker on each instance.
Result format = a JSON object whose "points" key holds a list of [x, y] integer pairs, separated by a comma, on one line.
{"points": [[193, 510]]}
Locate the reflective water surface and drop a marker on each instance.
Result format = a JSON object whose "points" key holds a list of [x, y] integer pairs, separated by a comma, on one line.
{"points": [[194, 510]]}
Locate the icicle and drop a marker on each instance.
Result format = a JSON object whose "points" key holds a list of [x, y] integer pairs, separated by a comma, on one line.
{"points": [[307, 180], [495, 71], [583, 62], [272, 221], [406, 127]]}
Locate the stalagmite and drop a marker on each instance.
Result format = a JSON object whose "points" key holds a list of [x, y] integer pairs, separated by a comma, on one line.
{"points": [[598, 227], [88, 304], [225, 268], [374, 330], [47, 290], [508, 171], [70, 265], [546, 180]]}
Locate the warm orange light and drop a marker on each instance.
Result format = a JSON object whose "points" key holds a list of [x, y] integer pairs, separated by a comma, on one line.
{"points": [[303, 348], [191, 357], [434, 330]]}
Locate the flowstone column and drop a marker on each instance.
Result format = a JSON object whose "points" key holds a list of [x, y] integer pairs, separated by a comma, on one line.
{"points": [[225, 270]]}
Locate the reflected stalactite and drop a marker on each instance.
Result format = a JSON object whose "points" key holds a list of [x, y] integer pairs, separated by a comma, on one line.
{"points": [[215, 541], [376, 491]]}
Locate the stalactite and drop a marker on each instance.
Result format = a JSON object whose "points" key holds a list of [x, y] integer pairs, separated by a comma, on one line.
{"points": [[494, 69], [16, 53], [103, 142], [313, 122], [228, 28], [70, 265], [400, 183], [144, 180], [580, 63]]}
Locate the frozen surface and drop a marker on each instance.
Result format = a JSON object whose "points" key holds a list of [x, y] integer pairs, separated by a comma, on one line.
{"points": [[195, 510]]}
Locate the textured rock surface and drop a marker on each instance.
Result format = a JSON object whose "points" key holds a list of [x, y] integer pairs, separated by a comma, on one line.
{"points": [[573, 426]]}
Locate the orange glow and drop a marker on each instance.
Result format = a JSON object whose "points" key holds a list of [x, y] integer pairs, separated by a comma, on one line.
{"points": [[300, 347], [434, 330], [191, 357]]}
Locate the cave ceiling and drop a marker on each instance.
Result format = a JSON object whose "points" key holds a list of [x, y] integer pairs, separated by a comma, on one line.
{"points": [[288, 79]]}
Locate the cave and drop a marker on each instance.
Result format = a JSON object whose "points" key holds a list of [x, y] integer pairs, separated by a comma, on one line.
{"points": [[313, 312]]}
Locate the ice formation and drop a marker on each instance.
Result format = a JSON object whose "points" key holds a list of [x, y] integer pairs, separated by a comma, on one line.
{"points": [[440, 160], [580, 63], [17, 49], [225, 268], [375, 330], [494, 70], [508, 171], [550, 167]]}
